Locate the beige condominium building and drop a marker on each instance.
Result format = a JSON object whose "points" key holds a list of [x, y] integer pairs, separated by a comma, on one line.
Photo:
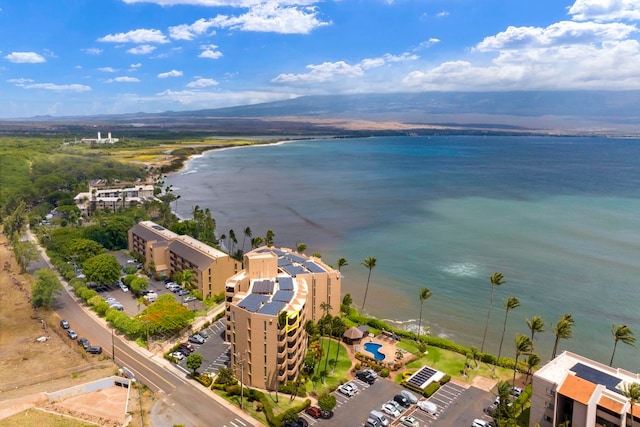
{"points": [[167, 253], [584, 392], [98, 198], [267, 306]]}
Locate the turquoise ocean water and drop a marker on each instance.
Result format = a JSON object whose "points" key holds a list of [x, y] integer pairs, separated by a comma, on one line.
{"points": [[558, 216]]}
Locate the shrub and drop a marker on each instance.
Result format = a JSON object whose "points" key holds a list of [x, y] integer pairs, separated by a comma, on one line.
{"points": [[445, 379], [384, 373], [430, 389], [203, 379]]}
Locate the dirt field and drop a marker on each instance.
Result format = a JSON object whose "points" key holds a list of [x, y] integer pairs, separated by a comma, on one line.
{"points": [[26, 364]]}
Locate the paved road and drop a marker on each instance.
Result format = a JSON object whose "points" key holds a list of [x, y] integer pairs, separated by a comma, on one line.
{"points": [[182, 401]]}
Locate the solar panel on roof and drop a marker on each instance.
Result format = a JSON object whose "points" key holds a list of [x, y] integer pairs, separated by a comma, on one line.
{"points": [[272, 308], [422, 376], [253, 302], [294, 270], [313, 267], [263, 287], [286, 283], [283, 262], [597, 377], [295, 258], [157, 227], [285, 296]]}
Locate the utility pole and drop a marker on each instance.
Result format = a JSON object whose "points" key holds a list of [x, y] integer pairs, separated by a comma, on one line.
{"points": [[242, 360], [113, 346]]}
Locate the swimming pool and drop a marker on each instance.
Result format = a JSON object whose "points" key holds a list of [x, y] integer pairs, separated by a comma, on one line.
{"points": [[374, 349]]}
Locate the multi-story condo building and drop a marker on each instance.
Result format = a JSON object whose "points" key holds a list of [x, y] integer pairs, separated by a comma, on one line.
{"points": [[98, 198], [267, 306], [584, 392], [167, 253]]}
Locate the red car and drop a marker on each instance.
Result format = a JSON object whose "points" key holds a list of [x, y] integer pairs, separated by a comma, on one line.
{"points": [[316, 412]]}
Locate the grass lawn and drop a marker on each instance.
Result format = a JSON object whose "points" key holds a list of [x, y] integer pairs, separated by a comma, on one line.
{"points": [[452, 363], [333, 377], [284, 403], [36, 418]]}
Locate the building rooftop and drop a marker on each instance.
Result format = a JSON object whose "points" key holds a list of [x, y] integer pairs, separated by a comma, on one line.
{"points": [[577, 389]]}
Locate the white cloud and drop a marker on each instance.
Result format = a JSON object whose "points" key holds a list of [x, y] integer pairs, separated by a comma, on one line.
{"points": [[93, 51], [428, 43], [24, 57], [191, 31], [442, 14], [28, 84], [328, 71], [142, 49], [124, 79], [220, 3], [197, 98], [142, 35], [136, 65], [274, 17], [200, 83], [210, 51], [172, 73], [107, 69], [605, 10], [564, 32]]}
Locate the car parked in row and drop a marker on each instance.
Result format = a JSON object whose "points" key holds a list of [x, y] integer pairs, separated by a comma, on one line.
{"points": [[72, 334], [402, 400], [409, 421], [412, 398], [316, 412], [428, 407], [479, 422], [366, 377], [300, 422], [64, 324], [177, 355], [196, 339], [84, 343], [390, 409], [94, 349], [348, 389]]}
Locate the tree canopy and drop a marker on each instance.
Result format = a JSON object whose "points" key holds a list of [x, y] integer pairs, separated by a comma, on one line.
{"points": [[166, 316], [103, 268], [46, 287]]}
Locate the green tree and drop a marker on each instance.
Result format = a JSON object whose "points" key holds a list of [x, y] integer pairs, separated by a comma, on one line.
{"points": [[301, 247], [82, 249], [247, 233], [103, 268], [185, 278], [342, 262], [370, 264], [225, 376], [232, 241], [524, 346], [562, 330], [535, 324], [194, 361], [25, 252], [632, 392], [325, 307], [256, 242], [621, 333], [268, 239], [166, 316], [137, 284], [327, 401], [337, 329], [497, 279], [346, 304], [46, 287], [505, 412], [509, 304], [533, 360], [424, 295]]}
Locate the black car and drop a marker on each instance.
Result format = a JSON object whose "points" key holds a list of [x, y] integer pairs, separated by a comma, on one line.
{"points": [[365, 376], [300, 422], [402, 400], [84, 343], [94, 349], [64, 324]]}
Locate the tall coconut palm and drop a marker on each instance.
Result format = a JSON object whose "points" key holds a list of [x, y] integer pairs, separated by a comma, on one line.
{"points": [[185, 278], [621, 333], [509, 304], [632, 392], [424, 295], [535, 324], [524, 346], [268, 238], [497, 279], [342, 262], [326, 307], [533, 360], [370, 263], [562, 330], [247, 233], [301, 247], [337, 329]]}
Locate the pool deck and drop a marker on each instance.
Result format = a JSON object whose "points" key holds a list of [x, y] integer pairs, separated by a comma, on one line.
{"points": [[388, 348]]}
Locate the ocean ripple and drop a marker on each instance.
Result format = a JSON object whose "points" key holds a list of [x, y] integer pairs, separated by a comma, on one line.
{"points": [[463, 269]]}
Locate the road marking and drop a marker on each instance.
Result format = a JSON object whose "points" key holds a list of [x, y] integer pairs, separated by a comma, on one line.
{"points": [[121, 350], [240, 421]]}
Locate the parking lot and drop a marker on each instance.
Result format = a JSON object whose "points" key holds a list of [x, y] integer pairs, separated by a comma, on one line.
{"points": [[215, 351]]}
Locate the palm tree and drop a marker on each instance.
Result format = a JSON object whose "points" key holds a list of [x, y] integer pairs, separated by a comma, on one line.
{"points": [[497, 279], [509, 304], [337, 329], [232, 241], [621, 333], [342, 262], [326, 307], [424, 295], [370, 263], [632, 392], [301, 247], [185, 278], [268, 238], [562, 330], [524, 346], [247, 233], [536, 324], [532, 361]]}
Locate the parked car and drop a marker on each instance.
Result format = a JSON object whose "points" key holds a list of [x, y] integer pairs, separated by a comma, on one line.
{"points": [[365, 376], [72, 334], [204, 334], [316, 412], [300, 422], [186, 347], [371, 423], [183, 292], [390, 409], [347, 389], [64, 324], [95, 349], [196, 339], [111, 300], [84, 343], [402, 400], [131, 261], [371, 372], [178, 355], [398, 406], [409, 421], [117, 306], [479, 422], [428, 407], [168, 284], [190, 298], [124, 287], [410, 396], [516, 392]]}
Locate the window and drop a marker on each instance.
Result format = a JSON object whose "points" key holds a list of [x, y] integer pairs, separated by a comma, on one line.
{"points": [[548, 405], [548, 418]]}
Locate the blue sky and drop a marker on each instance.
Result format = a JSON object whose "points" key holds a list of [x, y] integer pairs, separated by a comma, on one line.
{"points": [[78, 57]]}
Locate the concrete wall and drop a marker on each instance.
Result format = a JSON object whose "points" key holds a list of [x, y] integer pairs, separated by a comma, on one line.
{"points": [[87, 388]]}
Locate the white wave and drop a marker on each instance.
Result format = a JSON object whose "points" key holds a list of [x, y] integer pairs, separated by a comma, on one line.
{"points": [[463, 269], [189, 172]]}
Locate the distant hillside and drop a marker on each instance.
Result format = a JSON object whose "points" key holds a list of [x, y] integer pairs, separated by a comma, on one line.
{"points": [[604, 112]]}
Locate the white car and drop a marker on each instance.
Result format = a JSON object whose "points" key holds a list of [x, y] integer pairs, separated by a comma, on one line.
{"points": [[124, 287], [190, 298], [347, 389], [412, 398], [390, 409], [478, 422], [178, 355], [409, 421], [428, 407]]}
